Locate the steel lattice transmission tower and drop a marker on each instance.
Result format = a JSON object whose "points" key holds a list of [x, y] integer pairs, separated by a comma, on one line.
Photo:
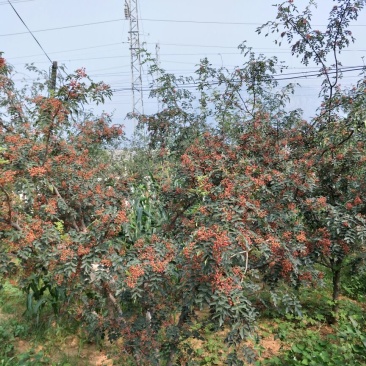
{"points": [[131, 13]]}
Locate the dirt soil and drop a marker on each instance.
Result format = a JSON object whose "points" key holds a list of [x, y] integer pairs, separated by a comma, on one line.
{"points": [[88, 355]]}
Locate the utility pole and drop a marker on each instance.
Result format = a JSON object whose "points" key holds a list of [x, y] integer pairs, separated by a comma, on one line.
{"points": [[131, 13], [53, 79]]}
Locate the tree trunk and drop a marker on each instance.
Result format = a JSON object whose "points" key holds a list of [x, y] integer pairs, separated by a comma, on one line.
{"points": [[336, 273], [184, 316]]}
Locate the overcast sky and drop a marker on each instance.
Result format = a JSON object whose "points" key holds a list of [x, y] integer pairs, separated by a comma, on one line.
{"points": [[186, 30]]}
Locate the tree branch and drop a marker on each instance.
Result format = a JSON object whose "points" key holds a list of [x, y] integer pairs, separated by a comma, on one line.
{"points": [[12, 224], [74, 224]]}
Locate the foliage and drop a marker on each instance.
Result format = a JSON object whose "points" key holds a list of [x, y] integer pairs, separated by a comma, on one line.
{"points": [[354, 286], [60, 202], [48, 342], [334, 212], [346, 345], [242, 201]]}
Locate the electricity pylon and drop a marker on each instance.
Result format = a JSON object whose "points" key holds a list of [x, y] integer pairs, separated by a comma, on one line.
{"points": [[131, 13]]}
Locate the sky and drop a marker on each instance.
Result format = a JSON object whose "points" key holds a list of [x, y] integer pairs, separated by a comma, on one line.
{"points": [[94, 34]]}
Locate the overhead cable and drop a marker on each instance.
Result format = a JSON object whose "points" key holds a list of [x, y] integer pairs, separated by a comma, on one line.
{"points": [[30, 31], [65, 27], [154, 20], [14, 1], [277, 78]]}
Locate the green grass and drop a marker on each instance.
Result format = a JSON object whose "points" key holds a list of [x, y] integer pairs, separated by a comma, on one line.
{"points": [[296, 340], [48, 340]]}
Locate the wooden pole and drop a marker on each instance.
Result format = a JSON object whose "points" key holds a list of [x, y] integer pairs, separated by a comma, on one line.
{"points": [[53, 78]]}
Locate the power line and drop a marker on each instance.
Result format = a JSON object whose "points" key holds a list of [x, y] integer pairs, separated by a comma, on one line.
{"points": [[236, 47], [123, 82], [168, 54], [121, 19], [205, 54], [65, 27], [225, 23], [15, 1], [233, 47], [277, 77], [153, 20], [95, 58], [80, 59], [72, 50], [201, 45], [198, 22], [29, 31]]}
